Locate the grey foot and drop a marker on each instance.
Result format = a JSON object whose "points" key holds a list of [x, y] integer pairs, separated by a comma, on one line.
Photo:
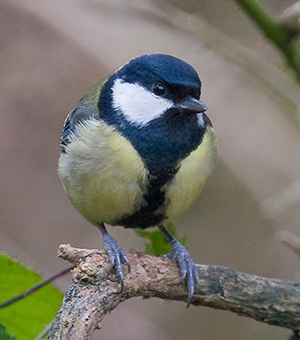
{"points": [[116, 254], [187, 266]]}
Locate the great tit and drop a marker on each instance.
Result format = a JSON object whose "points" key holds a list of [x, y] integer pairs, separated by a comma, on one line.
{"points": [[137, 151]]}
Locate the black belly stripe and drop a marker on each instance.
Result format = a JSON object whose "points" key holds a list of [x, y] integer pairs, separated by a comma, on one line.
{"points": [[162, 159], [155, 197]]}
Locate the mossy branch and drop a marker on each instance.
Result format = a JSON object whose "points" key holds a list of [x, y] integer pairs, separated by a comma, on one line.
{"points": [[95, 291]]}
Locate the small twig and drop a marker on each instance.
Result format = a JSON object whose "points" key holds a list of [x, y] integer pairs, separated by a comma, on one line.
{"points": [[35, 288], [290, 239], [95, 292], [44, 333], [280, 34]]}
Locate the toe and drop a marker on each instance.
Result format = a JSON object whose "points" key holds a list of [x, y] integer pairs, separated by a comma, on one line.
{"points": [[187, 268], [116, 255]]}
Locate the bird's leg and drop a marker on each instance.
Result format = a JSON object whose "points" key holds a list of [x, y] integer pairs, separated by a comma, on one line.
{"points": [[116, 254], [187, 266]]}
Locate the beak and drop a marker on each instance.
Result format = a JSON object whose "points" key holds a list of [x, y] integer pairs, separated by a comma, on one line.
{"points": [[192, 104]]}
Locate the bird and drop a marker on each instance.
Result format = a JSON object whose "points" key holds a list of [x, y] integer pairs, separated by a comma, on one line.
{"points": [[137, 151]]}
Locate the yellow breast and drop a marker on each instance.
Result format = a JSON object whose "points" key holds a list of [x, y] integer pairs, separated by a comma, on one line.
{"points": [[102, 173], [192, 176]]}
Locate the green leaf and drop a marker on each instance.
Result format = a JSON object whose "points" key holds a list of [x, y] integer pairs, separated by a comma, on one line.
{"points": [[158, 244], [26, 318], [4, 335]]}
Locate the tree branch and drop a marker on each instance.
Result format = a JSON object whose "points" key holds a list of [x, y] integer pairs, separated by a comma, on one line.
{"points": [[278, 32], [95, 291]]}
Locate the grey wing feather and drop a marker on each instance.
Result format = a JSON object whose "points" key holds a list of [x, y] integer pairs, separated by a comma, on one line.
{"points": [[84, 111]]}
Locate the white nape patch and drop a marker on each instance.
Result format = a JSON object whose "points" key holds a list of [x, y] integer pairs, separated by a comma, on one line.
{"points": [[138, 104], [201, 121]]}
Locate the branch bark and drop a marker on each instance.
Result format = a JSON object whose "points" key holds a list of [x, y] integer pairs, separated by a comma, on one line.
{"points": [[95, 291]]}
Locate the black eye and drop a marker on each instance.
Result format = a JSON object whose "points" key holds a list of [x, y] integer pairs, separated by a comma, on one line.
{"points": [[159, 89]]}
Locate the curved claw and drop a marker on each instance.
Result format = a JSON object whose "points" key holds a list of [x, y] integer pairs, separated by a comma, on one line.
{"points": [[187, 267], [116, 255]]}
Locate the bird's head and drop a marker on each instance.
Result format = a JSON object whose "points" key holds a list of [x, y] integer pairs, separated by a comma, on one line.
{"points": [[150, 87]]}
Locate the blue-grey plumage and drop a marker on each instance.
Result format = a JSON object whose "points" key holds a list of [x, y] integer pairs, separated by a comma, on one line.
{"points": [[138, 150]]}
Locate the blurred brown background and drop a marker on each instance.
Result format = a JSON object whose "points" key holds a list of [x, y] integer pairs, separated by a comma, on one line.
{"points": [[52, 52]]}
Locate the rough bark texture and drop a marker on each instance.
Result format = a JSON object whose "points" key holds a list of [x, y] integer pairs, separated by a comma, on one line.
{"points": [[95, 291]]}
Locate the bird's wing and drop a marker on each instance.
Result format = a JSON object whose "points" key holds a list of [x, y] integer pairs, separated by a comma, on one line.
{"points": [[87, 108]]}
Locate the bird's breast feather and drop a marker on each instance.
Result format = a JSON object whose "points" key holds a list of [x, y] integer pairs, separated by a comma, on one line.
{"points": [[192, 176], [102, 173]]}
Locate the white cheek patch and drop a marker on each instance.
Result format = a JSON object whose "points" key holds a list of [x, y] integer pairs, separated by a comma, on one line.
{"points": [[138, 105], [201, 121]]}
